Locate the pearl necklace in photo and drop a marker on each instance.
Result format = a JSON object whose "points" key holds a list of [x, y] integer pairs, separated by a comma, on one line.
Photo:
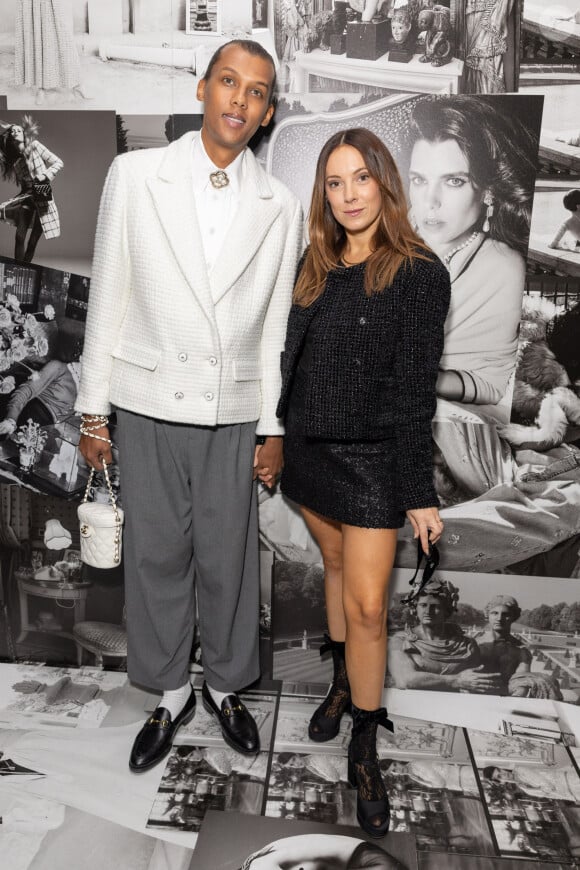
{"points": [[460, 247]]}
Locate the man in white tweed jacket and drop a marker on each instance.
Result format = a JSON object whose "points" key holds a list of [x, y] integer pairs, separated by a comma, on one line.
{"points": [[195, 258]]}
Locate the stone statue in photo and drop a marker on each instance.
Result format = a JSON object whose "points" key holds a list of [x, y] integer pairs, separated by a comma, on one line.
{"points": [[436, 22]]}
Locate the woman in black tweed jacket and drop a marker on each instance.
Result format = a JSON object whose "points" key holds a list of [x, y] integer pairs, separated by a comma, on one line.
{"points": [[365, 335]]}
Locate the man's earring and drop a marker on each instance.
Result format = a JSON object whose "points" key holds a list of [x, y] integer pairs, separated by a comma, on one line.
{"points": [[488, 201]]}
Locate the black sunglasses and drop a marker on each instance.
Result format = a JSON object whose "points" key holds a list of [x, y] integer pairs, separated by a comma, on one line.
{"points": [[431, 563]]}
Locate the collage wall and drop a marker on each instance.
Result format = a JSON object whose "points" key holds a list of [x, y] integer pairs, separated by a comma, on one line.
{"points": [[482, 91]]}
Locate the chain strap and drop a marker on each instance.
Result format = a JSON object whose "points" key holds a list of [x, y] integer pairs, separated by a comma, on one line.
{"points": [[118, 520]]}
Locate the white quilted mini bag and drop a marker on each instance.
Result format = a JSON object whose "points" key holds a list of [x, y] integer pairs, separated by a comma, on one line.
{"points": [[100, 528]]}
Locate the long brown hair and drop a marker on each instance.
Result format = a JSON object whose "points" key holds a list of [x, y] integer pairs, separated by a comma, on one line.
{"points": [[395, 240]]}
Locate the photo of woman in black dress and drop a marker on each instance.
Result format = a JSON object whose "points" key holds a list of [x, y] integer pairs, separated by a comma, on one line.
{"points": [[364, 339]]}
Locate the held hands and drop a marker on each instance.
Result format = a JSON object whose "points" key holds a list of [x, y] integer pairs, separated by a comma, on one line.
{"points": [[268, 460], [427, 525]]}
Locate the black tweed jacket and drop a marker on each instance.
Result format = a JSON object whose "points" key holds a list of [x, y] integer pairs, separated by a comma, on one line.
{"points": [[374, 365]]}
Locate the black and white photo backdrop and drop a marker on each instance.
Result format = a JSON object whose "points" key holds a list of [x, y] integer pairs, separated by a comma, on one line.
{"points": [[380, 46], [127, 55], [477, 101]]}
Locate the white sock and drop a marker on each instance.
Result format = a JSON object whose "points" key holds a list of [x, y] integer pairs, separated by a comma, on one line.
{"points": [[174, 699], [218, 696]]}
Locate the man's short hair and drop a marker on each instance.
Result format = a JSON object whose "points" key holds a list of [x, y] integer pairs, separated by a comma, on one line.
{"points": [[252, 47]]}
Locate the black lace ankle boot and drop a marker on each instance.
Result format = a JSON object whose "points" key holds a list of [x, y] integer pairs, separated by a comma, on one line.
{"points": [[372, 803], [325, 722]]}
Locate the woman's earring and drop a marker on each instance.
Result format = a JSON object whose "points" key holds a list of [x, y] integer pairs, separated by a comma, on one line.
{"points": [[488, 201]]}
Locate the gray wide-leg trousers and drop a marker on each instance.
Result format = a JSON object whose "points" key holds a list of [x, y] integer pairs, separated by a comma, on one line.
{"points": [[190, 512]]}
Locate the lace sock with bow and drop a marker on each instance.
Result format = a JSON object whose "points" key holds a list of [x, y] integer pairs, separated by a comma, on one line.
{"points": [[325, 722], [372, 803]]}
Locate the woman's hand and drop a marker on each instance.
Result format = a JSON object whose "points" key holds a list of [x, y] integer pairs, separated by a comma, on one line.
{"points": [[425, 521]]}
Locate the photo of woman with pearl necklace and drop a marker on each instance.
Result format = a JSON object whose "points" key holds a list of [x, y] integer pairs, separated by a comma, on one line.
{"points": [[471, 182]]}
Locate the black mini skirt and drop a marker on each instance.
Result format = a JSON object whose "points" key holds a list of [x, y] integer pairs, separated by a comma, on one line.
{"points": [[352, 482]]}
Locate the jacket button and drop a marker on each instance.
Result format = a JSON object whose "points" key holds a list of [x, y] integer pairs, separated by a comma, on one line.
{"points": [[362, 321], [182, 357], [179, 395], [213, 361], [208, 397]]}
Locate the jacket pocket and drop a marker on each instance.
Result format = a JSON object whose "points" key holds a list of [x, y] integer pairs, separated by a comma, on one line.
{"points": [[247, 370], [137, 355]]}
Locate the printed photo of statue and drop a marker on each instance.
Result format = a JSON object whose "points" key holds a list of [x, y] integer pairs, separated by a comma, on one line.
{"points": [[503, 652], [436, 653], [461, 636], [435, 25]]}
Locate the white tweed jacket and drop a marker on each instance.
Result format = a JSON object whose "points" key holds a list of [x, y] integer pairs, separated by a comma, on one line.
{"points": [[165, 339]]}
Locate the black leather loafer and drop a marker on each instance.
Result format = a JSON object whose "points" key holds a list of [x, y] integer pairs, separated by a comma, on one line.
{"points": [[154, 740], [239, 729]]}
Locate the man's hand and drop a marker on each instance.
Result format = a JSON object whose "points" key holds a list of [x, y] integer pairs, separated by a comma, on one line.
{"points": [[94, 450], [269, 460]]}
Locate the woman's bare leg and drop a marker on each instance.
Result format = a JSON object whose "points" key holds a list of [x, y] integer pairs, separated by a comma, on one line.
{"points": [[328, 535], [368, 557]]}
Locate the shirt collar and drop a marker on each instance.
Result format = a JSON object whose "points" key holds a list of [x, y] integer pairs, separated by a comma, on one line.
{"points": [[203, 166]]}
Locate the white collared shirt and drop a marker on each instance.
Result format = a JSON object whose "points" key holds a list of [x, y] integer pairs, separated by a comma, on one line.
{"points": [[216, 208]]}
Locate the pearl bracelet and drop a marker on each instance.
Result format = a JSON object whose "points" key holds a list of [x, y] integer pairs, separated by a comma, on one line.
{"points": [[95, 418], [90, 430]]}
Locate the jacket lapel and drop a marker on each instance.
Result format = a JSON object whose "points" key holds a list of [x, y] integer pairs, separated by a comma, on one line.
{"points": [[256, 212], [172, 193]]}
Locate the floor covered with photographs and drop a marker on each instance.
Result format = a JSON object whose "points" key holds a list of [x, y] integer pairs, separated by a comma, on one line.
{"points": [[460, 796]]}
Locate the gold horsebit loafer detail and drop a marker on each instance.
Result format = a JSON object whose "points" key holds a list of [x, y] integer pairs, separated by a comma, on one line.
{"points": [[165, 723], [229, 711]]}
